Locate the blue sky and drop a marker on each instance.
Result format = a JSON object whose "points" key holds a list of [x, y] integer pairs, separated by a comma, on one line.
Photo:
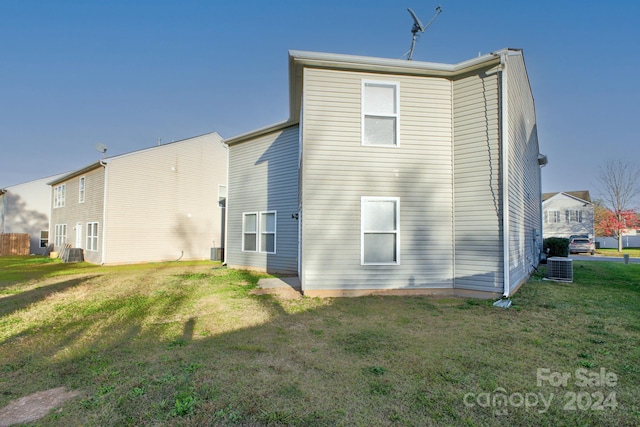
{"points": [[125, 73]]}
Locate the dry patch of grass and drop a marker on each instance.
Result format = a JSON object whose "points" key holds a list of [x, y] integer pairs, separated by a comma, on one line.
{"points": [[193, 344]]}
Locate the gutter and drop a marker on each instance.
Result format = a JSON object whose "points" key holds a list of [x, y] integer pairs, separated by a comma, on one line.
{"points": [[504, 137]]}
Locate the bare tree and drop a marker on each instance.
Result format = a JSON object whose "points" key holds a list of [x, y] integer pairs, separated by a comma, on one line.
{"points": [[619, 186]]}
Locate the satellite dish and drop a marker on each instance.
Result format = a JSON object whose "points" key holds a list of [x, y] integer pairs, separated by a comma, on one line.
{"points": [[101, 148], [417, 26]]}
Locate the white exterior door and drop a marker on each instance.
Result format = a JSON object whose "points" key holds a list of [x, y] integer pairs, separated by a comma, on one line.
{"points": [[78, 235]]}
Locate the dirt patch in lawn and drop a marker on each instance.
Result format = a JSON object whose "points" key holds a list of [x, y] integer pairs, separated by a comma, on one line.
{"points": [[35, 406]]}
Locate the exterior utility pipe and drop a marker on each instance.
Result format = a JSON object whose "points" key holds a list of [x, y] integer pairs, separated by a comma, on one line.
{"points": [[504, 140]]}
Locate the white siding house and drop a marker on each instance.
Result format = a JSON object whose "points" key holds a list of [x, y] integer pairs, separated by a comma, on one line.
{"points": [[157, 204], [25, 208], [568, 213], [396, 176]]}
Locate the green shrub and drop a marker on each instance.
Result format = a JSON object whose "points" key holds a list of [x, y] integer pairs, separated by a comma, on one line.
{"points": [[556, 246]]}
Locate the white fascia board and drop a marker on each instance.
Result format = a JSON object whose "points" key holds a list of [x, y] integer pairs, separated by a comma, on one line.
{"points": [[259, 132], [366, 63]]}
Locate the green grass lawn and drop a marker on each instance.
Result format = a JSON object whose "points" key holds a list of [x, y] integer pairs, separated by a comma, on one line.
{"points": [[188, 344], [632, 252]]}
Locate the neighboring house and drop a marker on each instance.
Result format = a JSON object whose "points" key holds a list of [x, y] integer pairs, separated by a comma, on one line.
{"points": [[160, 203], [393, 176], [25, 208], [567, 213]]}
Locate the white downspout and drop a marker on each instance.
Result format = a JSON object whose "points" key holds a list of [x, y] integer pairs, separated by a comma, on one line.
{"points": [[104, 211], [226, 212], [504, 137]]}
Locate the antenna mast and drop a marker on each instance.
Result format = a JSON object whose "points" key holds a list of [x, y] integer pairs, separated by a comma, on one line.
{"points": [[417, 26]]}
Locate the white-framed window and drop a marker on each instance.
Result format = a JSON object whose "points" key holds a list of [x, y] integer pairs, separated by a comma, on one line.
{"points": [[250, 232], [380, 230], [222, 195], [573, 215], [259, 232], [59, 195], [44, 238], [551, 216], [92, 236], [380, 113], [268, 232], [81, 189], [60, 235]]}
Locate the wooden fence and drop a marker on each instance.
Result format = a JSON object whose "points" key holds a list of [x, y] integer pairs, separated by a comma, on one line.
{"points": [[14, 244]]}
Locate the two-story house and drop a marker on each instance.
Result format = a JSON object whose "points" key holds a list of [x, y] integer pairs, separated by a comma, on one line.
{"points": [[568, 213], [156, 204], [25, 208], [393, 177]]}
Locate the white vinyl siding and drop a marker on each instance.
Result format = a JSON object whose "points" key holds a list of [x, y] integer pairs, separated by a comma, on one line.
{"points": [[525, 214], [92, 236], [563, 204], [59, 195], [380, 113], [338, 171], [81, 189], [477, 183], [250, 232], [380, 230], [79, 214], [60, 235], [263, 177]]}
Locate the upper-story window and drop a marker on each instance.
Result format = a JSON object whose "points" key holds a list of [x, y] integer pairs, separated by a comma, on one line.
{"points": [[81, 190], [573, 215], [59, 195], [380, 113], [551, 216]]}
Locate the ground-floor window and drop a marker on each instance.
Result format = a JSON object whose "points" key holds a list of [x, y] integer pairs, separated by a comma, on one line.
{"points": [[44, 238], [259, 232], [380, 230], [60, 235], [268, 232], [92, 236]]}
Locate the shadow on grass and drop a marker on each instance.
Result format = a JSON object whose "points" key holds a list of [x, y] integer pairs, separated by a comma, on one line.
{"points": [[364, 361], [12, 303]]}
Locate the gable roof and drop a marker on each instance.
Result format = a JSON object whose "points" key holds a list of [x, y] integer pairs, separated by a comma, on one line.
{"points": [[298, 60], [582, 195]]}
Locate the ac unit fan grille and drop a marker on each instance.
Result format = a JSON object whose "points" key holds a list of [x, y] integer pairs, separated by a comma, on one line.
{"points": [[560, 269]]}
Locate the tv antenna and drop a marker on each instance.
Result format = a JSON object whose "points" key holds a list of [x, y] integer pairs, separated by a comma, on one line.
{"points": [[417, 26], [101, 148]]}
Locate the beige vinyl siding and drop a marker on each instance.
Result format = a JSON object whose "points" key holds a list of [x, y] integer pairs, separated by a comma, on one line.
{"points": [[263, 177], [162, 202], [338, 171], [477, 187], [74, 212], [525, 226]]}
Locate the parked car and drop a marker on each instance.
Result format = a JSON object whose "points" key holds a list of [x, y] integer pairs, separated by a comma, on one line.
{"points": [[580, 244], [578, 236]]}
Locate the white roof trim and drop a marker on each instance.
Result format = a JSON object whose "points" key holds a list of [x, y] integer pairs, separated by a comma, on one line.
{"points": [[261, 131]]}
